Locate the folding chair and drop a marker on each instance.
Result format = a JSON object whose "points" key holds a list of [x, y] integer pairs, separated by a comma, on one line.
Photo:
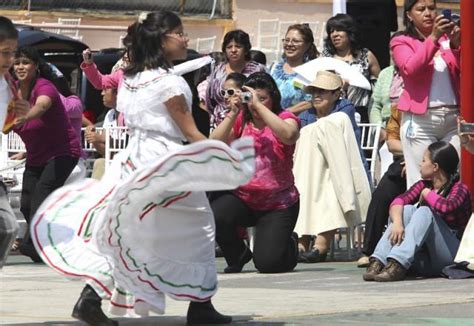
{"points": [[205, 45]]}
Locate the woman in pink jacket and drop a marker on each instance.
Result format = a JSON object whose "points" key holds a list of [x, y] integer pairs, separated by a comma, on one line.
{"points": [[428, 55]]}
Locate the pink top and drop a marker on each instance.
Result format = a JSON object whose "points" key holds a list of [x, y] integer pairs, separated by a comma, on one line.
{"points": [[73, 106], [414, 58], [99, 81], [50, 135], [273, 185]]}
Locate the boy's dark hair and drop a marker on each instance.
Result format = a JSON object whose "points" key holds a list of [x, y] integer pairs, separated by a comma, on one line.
{"points": [[258, 56], [238, 78], [7, 29]]}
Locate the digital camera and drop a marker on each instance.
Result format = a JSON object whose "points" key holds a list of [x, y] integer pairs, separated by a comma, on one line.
{"points": [[246, 97]]}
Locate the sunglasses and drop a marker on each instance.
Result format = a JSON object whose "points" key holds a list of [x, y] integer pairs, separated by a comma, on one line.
{"points": [[228, 92]]}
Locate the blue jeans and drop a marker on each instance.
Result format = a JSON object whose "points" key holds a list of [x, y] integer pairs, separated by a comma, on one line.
{"points": [[429, 244]]}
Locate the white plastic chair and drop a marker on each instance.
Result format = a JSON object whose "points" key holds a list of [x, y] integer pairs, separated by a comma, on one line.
{"points": [[22, 21], [69, 21], [51, 30], [116, 139], [205, 45]]}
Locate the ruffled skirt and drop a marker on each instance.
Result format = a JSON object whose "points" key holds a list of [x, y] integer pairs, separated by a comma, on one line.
{"points": [[137, 238]]}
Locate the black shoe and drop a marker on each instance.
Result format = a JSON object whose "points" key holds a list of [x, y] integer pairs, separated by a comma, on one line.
{"points": [[88, 309], [219, 252], [204, 313], [244, 259], [313, 256], [27, 249]]}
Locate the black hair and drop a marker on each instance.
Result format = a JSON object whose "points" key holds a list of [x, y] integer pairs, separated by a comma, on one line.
{"points": [[258, 56], [44, 69], [445, 155], [144, 41], [238, 78], [307, 33], [262, 80], [410, 29], [240, 37], [343, 22], [7, 30]]}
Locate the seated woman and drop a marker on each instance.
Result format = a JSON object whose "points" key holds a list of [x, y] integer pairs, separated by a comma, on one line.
{"points": [[316, 160], [427, 221], [270, 201]]}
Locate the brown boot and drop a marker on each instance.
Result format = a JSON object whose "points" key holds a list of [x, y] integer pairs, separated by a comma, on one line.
{"points": [[374, 268], [394, 271]]}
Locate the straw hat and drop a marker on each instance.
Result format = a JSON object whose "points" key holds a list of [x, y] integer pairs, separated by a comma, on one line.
{"points": [[325, 80]]}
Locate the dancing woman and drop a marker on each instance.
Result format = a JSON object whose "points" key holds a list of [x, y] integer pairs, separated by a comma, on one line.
{"points": [[146, 229]]}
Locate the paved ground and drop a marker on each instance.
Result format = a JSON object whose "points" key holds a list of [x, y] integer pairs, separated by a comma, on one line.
{"points": [[330, 293]]}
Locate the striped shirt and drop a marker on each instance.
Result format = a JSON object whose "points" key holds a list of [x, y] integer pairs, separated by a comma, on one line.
{"points": [[455, 209]]}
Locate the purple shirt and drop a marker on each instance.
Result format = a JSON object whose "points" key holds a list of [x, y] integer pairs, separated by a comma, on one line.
{"points": [[50, 135], [455, 209]]}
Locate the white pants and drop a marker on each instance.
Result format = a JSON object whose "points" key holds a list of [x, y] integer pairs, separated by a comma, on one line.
{"points": [[435, 125]]}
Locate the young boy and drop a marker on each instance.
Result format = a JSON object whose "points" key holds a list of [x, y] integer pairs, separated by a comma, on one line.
{"points": [[8, 44]]}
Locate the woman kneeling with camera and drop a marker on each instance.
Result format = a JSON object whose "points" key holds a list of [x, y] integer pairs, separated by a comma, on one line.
{"points": [[270, 201]]}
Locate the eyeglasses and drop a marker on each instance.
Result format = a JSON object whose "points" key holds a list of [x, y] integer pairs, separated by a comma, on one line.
{"points": [[7, 54], [287, 41], [228, 92], [181, 35]]}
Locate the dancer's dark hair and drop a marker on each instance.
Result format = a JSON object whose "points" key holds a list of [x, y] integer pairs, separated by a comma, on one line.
{"points": [[144, 41]]}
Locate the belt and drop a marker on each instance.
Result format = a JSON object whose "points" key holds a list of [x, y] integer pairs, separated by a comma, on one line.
{"points": [[444, 107]]}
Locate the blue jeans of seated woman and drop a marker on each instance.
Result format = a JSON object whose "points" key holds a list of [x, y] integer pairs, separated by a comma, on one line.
{"points": [[429, 244]]}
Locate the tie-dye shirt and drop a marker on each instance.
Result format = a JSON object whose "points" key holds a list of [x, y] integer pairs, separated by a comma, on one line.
{"points": [[273, 185]]}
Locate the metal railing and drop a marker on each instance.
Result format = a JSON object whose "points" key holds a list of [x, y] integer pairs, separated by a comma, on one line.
{"points": [[212, 9]]}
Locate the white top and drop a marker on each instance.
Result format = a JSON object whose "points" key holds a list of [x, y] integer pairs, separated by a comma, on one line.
{"points": [[110, 119], [5, 98], [441, 92], [141, 98]]}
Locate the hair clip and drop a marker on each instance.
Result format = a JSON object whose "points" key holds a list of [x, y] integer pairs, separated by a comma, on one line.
{"points": [[142, 17]]}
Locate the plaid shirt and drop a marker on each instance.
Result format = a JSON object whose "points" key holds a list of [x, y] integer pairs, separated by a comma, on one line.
{"points": [[455, 209]]}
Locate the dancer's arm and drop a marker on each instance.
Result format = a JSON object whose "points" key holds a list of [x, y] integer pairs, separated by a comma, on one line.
{"points": [[178, 110]]}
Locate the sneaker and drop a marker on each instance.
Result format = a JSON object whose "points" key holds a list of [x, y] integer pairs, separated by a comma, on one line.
{"points": [[374, 268], [394, 271]]}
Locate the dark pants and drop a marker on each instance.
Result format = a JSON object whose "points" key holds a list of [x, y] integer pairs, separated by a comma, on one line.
{"points": [[390, 186], [274, 250], [8, 225], [364, 113], [40, 181]]}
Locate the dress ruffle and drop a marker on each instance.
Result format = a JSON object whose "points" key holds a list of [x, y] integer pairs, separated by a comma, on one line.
{"points": [[147, 235]]}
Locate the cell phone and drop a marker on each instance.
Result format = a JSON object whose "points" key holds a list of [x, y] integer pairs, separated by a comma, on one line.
{"points": [[466, 128], [447, 14]]}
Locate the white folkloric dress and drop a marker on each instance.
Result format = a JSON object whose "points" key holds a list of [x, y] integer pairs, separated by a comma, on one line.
{"points": [[146, 229]]}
